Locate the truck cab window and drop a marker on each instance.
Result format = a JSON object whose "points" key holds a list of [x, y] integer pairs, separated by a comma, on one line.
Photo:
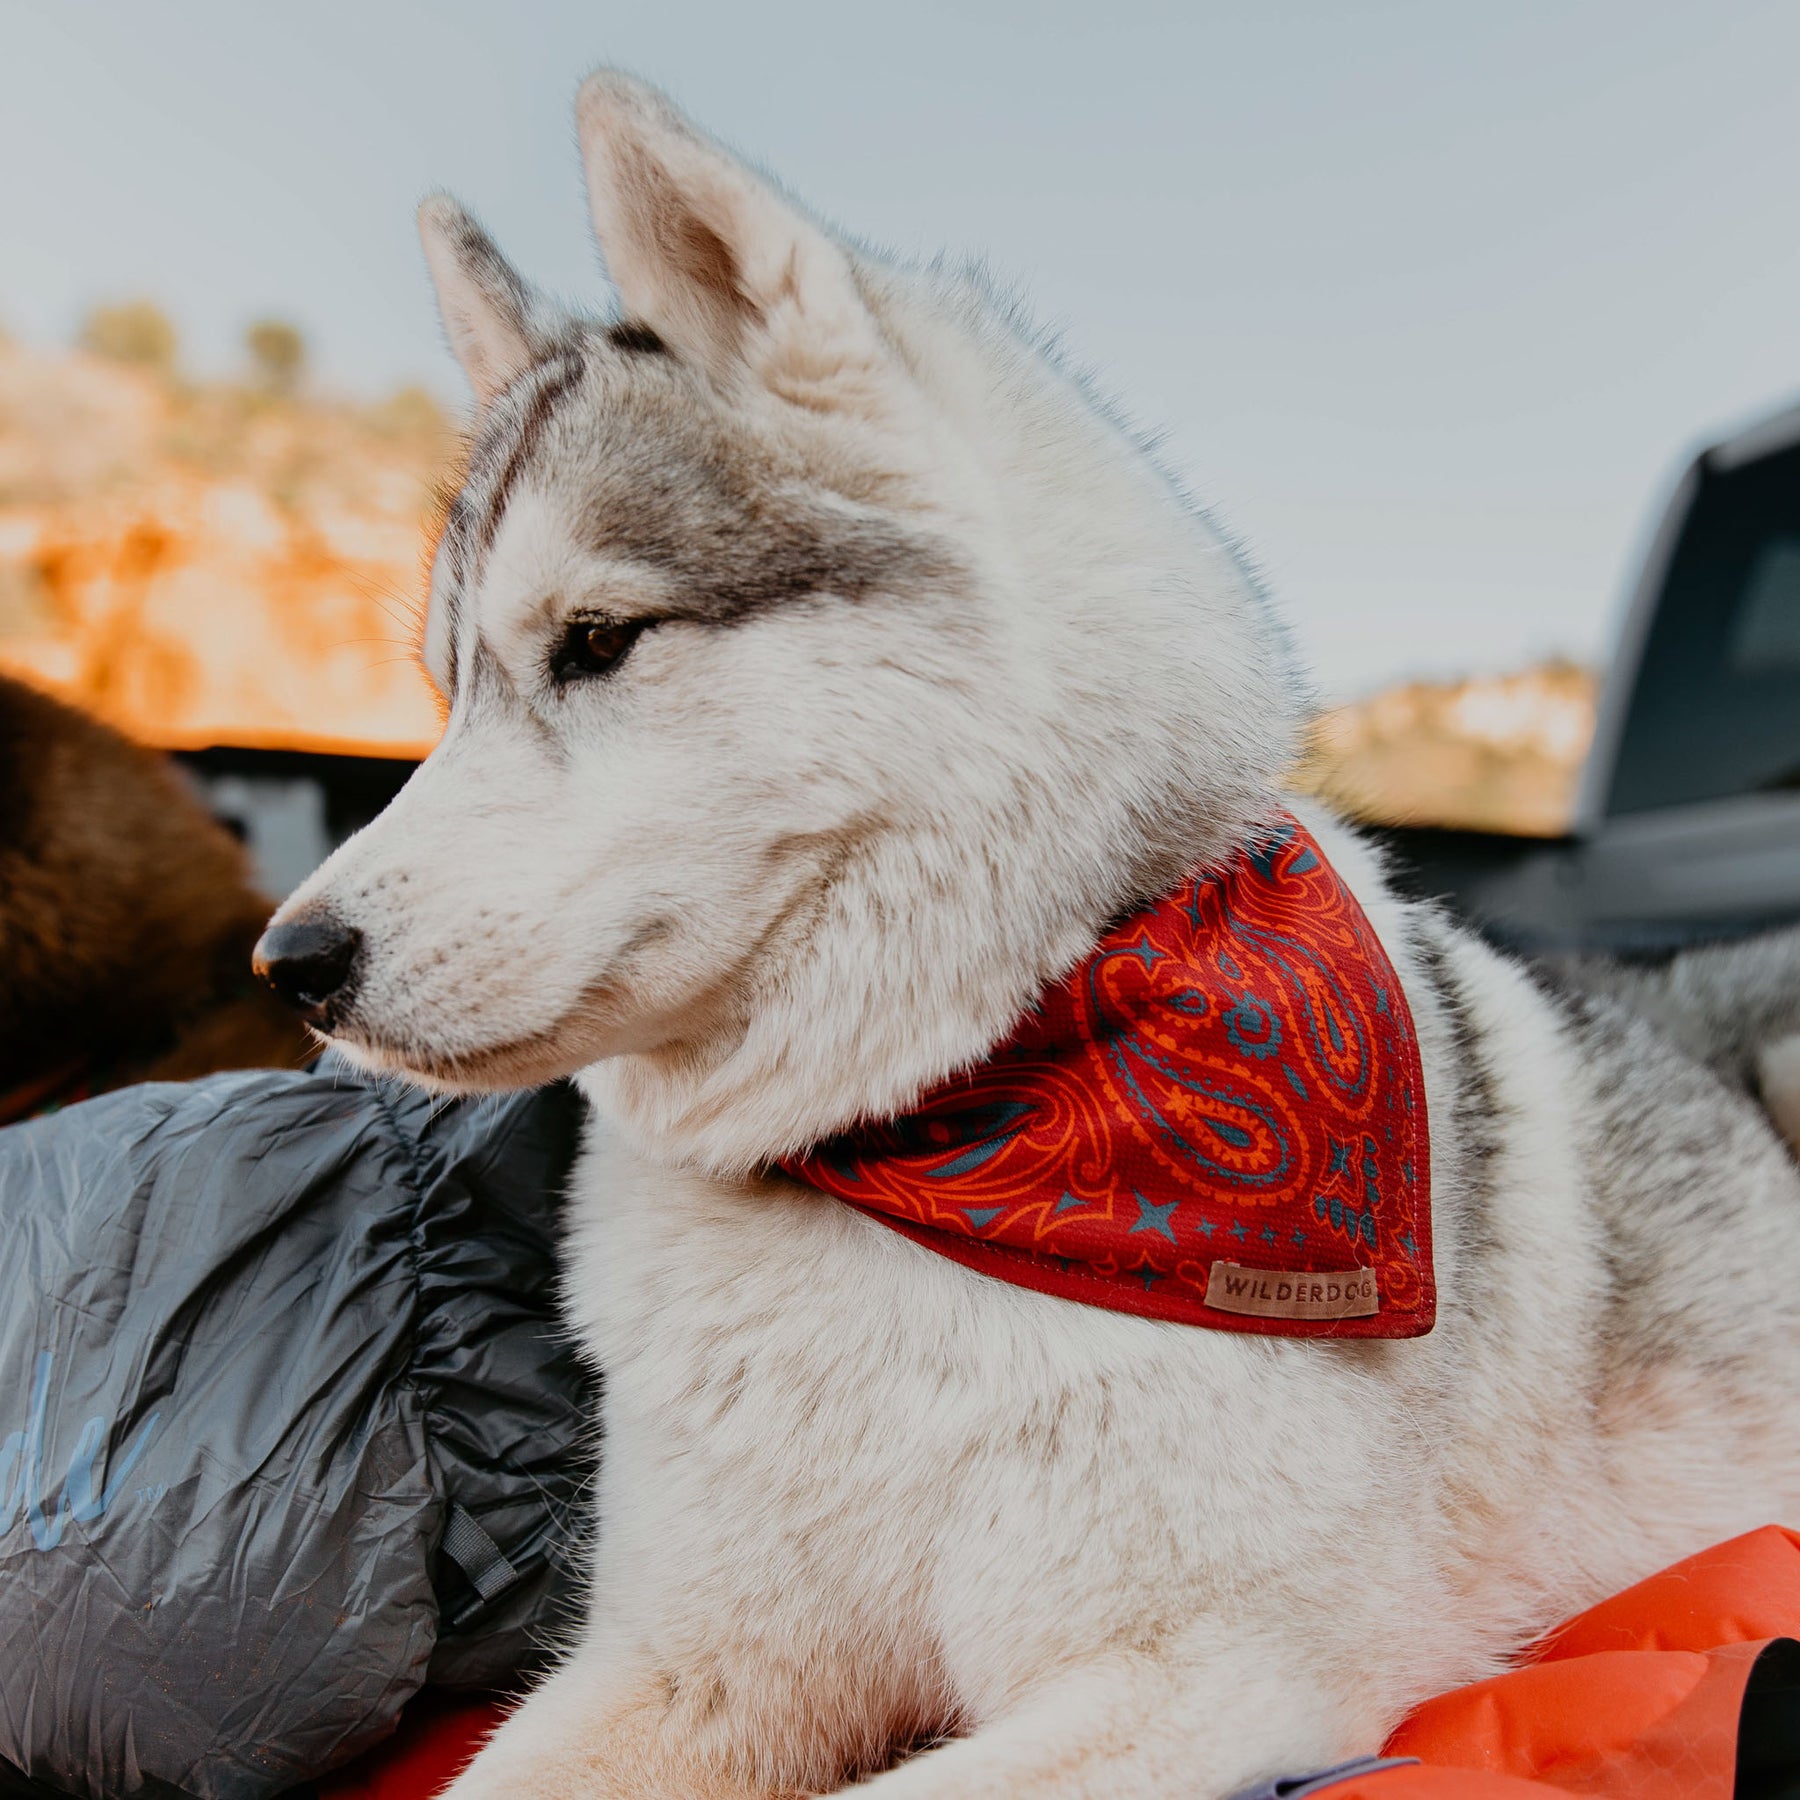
{"points": [[1716, 708]]}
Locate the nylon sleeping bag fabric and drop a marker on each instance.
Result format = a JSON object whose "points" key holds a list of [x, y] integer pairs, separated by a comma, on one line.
{"points": [[275, 1351]]}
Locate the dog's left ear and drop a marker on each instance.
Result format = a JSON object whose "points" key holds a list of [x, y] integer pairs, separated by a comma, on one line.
{"points": [[708, 255]]}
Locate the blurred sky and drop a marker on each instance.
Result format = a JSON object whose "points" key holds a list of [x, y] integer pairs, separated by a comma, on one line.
{"points": [[1429, 298]]}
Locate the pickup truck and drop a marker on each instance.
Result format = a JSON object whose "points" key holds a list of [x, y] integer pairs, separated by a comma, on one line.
{"points": [[1687, 823], [1687, 816]]}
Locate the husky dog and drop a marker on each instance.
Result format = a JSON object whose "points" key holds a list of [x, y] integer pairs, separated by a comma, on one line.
{"points": [[825, 672]]}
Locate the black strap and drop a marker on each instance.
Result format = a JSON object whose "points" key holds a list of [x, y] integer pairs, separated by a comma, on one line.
{"points": [[1768, 1766], [483, 1563]]}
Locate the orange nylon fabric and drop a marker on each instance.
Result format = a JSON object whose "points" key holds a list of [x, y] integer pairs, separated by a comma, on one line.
{"points": [[1742, 1591], [1635, 1699], [1651, 1725]]}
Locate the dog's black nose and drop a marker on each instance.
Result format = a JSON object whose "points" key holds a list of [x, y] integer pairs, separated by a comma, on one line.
{"points": [[308, 961]]}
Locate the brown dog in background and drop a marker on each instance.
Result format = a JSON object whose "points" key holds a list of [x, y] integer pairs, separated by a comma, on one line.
{"points": [[127, 916]]}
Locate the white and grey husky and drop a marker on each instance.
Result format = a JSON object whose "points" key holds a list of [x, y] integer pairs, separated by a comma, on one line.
{"points": [[825, 671]]}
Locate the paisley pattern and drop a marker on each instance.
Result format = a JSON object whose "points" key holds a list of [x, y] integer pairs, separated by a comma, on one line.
{"points": [[1231, 1075]]}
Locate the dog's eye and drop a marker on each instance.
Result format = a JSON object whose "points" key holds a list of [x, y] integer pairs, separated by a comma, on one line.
{"points": [[593, 647]]}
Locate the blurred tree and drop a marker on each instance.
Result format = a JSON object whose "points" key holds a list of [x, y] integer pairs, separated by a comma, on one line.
{"points": [[135, 331], [277, 354], [409, 412]]}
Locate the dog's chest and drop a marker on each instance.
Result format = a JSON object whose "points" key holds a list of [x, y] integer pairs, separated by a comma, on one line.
{"points": [[790, 1414], [804, 1403]]}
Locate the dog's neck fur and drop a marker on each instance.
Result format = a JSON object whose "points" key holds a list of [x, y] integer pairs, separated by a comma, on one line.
{"points": [[937, 927]]}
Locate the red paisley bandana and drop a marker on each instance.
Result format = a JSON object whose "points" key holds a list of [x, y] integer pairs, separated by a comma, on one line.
{"points": [[1218, 1118]]}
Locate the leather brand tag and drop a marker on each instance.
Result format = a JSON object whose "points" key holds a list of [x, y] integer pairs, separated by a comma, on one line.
{"points": [[1292, 1293]]}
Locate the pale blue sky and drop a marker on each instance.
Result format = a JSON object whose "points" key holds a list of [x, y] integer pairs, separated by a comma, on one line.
{"points": [[1429, 298]]}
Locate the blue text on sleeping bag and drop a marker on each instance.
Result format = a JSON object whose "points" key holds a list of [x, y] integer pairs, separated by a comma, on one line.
{"points": [[22, 1475]]}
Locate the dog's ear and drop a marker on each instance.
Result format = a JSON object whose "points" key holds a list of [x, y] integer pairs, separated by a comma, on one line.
{"points": [[486, 307], [709, 255]]}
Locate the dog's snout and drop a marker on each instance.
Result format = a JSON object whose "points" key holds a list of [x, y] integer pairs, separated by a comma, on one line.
{"points": [[308, 961]]}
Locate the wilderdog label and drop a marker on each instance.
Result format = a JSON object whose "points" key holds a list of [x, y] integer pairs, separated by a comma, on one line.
{"points": [[1284, 1294]]}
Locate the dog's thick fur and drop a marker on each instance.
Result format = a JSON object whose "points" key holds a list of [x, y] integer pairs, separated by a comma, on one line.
{"points": [[127, 914], [1733, 1006], [939, 675]]}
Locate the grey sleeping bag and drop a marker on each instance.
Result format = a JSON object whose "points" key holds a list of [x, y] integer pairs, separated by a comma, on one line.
{"points": [[286, 1423]]}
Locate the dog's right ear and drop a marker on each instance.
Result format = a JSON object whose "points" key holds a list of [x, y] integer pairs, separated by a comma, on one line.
{"points": [[485, 306]]}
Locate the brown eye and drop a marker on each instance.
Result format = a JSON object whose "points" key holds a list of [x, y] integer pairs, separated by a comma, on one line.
{"points": [[593, 647]]}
